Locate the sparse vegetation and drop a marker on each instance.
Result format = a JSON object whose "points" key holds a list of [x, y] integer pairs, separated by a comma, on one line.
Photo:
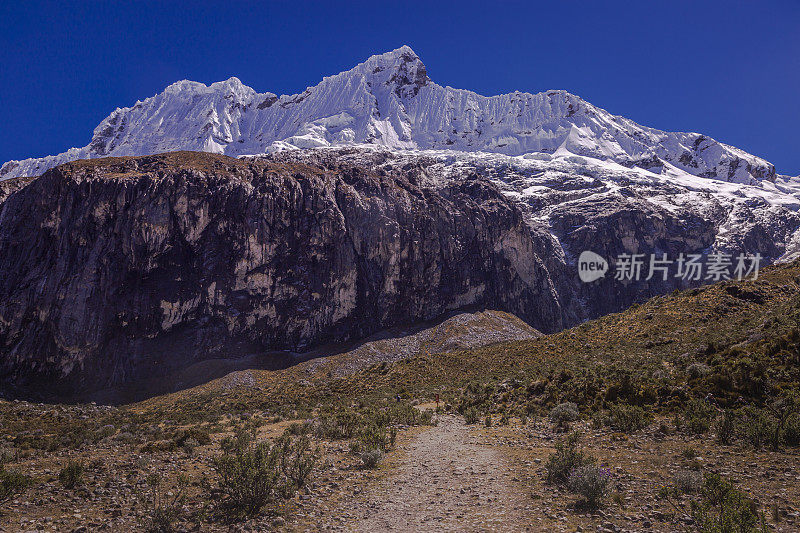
{"points": [[591, 482], [12, 483], [565, 459], [698, 370], [252, 474], [698, 416], [687, 481], [791, 430], [162, 507], [371, 458], [297, 460], [471, 415], [715, 505], [564, 413], [721, 508], [687, 364], [726, 429], [758, 427], [628, 418], [71, 475]]}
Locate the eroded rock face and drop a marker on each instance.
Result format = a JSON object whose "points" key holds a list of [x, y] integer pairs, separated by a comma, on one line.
{"points": [[574, 204], [115, 269]]}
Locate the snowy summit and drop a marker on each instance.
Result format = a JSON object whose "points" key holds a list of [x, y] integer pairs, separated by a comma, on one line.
{"points": [[390, 101]]}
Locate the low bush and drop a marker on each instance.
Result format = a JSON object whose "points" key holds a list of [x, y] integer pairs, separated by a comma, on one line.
{"points": [[374, 437], [698, 370], [698, 416], [341, 424], [564, 413], [371, 458], [628, 418], [565, 459], [162, 507], [791, 430], [8, 454], [591, 483], [471, 415], [12, 483], [687, 481], [720, 507], [759, 428], [252, 474], [726, 428], [71, 475], [297, 460], [299, 428], [201, 436], [689, 452]]}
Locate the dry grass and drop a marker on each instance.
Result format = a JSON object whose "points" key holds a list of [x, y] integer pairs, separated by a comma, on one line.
{"points": [[745, 332]]}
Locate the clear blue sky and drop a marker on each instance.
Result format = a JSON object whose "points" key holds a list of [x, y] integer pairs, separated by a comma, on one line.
{"points": [[725, 68]]}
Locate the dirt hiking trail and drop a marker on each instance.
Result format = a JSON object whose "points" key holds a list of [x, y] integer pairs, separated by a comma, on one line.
{"points": [[444, 480]]}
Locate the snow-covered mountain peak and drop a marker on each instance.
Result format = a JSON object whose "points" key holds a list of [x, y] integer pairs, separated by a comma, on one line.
{"points": [[389, 100], [231, 85]]}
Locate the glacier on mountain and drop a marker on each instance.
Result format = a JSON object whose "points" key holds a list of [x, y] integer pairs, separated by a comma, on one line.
{"points": [[390, 101]]}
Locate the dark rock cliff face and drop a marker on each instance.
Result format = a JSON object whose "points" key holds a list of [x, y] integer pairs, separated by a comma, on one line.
{"points": [[570, 209], [614, 226], [114, 272], [116, 269]]}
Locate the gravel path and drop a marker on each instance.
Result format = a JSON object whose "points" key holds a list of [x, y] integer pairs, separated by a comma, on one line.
{"points": [[445, 481]]}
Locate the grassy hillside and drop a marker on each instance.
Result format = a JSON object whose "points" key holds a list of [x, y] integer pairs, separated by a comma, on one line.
{"points": [[732, 339], [701, 382]]}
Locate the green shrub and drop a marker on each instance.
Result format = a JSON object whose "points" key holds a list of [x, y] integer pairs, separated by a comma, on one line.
{"points": [[687, 481], [471, 415], [12, 483], [628, 418], [162, 507], [759, 428], [8, 454], [698, 370], [726, 428], [374, 437], [252, 474], [566, 458], [564, 413], [189, 445], [689, 452], [249, 474], [201, 436], [71, 475], [721, 508], [298, 428], [371, 458], [342, 424], [297, 460], [698, 416], [791, 430], [402, 413], [591, 482]]}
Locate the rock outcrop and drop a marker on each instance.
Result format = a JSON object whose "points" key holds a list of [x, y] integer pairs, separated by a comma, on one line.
{"points": [[115, 269], [118, 269]]}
